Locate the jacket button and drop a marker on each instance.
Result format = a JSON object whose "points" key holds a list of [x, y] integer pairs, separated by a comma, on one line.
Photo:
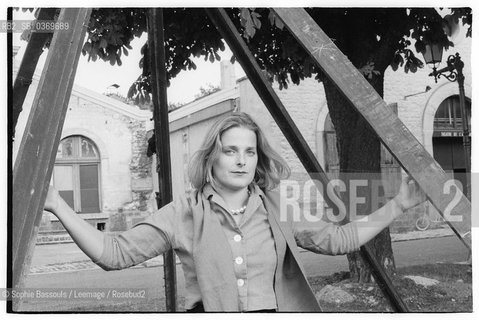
{"points": [[237, 238], [240, 282], [239, 260]]}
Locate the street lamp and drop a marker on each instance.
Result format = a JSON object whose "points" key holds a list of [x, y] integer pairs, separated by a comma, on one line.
{"points": [[452, 72]]}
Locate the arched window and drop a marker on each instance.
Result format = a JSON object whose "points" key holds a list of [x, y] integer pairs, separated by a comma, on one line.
{"points": [[76, 174], [448, 115]]}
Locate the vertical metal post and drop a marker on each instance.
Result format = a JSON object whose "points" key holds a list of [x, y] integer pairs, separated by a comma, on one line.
{"points": [[156, 47], [466, 139]]}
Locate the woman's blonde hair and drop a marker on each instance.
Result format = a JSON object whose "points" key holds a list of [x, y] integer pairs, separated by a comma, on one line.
{"points": [[271, 166]]}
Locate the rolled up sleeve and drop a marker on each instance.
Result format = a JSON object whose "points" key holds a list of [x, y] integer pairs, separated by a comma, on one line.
{"points": [[145, 240], [327, 238]]}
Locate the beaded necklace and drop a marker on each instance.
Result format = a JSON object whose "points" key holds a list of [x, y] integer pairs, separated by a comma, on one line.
{"points": [[240, 210]]}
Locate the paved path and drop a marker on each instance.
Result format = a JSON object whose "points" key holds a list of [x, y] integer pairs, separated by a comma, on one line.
{"points": [[66, 257]]}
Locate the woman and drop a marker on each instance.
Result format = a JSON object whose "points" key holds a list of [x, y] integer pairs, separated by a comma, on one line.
{"points": [[237, 253]]}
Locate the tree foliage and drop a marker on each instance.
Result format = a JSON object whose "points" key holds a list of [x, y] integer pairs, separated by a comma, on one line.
{"points": [[372, 38], [206, 91], [188, 34]]}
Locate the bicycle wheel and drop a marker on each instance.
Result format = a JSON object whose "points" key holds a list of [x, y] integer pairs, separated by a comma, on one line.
{"points": [[423, 223]]}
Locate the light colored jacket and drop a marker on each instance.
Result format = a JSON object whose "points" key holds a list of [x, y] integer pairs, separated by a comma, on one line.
{"points": [[174, 227]]}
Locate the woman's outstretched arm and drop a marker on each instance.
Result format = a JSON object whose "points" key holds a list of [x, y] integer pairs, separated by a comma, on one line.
{"points": [[145, 240], [89, 239], [328, 238]]}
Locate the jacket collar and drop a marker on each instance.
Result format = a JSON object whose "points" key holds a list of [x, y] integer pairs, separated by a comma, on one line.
{"points": [[211, 194]]}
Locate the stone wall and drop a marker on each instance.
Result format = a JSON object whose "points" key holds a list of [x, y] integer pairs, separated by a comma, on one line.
{"points": [[140, 169]]}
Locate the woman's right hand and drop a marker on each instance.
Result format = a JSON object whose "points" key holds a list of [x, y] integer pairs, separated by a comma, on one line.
{"points": [[88, 238], [52, 201]]}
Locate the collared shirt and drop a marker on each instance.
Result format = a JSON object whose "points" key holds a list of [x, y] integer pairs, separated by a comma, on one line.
{"points": [[172, 227], [252, 245]]}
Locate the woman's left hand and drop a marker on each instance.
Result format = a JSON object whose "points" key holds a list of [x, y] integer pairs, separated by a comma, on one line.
{"points": [[410, 194]]}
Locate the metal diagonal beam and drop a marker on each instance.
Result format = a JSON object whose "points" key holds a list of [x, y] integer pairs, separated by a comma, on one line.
{"points": [[156, 47], [27, 67], [291, 132], [396, 137], [36, 155]]}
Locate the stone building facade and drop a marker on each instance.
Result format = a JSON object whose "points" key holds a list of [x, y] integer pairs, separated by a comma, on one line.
{"points": [[102, 169]]}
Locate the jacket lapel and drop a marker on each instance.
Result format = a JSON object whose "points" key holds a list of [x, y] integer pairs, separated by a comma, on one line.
{"points": [[212, 256], [293, 292]]}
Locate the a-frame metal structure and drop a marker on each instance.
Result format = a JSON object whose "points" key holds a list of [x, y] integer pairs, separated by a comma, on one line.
{"points": [[35, 160]]}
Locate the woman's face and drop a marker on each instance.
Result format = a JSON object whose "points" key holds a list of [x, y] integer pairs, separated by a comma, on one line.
{"points": [[235, 167]]}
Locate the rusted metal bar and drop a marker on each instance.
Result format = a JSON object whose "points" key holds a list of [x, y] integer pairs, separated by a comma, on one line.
{"points": [[37, 151], [442, 192], [293, 135], [156, 47], [27, 67]]}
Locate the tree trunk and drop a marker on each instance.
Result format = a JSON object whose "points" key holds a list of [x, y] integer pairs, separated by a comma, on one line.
{"points": [[359, 158]]}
